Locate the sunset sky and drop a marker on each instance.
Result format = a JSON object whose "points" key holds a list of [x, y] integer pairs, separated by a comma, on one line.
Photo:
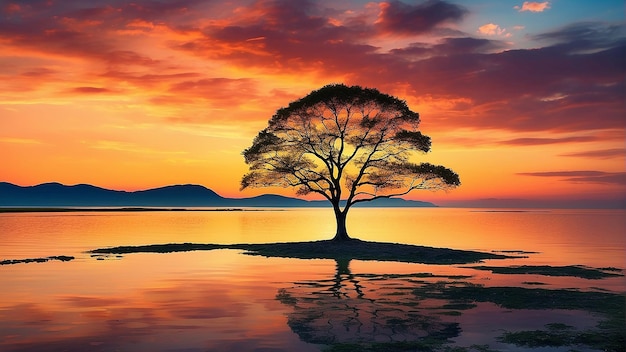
{"points": [[524, 100]]}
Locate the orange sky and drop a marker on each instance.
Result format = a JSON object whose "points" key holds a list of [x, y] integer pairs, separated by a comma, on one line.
{"points": [[523, 100]]}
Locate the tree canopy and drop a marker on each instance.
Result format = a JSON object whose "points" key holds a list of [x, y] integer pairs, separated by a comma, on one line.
{"points": [[345, 143]]}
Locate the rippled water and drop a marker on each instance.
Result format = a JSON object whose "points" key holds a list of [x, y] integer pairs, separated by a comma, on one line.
{"points": [[223, 300]]}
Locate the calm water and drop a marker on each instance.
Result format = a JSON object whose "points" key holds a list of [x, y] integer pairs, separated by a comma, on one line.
{"points": [[223, 300]]}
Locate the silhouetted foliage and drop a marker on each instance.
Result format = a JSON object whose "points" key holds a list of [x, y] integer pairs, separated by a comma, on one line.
{"points": [[344, 142]]}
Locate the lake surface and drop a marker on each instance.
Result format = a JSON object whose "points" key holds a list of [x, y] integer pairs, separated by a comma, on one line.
{"points": [[224, 300]]}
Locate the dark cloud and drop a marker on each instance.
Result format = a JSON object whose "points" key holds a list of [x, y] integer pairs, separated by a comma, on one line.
{"points": [[83, 29], [290, 15], [99, 9], [449, 46], [548, 88], [529, 90], [617, 178], [600, 154], [400, 18], [160, 8], [596, 35], [49, 36], [316, 47], [467, 45]]}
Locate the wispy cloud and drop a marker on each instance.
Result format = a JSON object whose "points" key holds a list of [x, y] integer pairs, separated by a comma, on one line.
{"points": [[129, 147], [545, 141], [231, 92], [600, 154], [19, 140], [584, 37], [617, 178]]}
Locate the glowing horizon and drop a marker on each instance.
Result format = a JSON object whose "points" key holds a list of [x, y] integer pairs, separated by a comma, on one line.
{"points": [[524, 100]]}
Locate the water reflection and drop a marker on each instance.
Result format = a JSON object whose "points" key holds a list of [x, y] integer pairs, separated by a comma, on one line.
{"points": [[174, 305], [352, 308], [197, 301], [422, 311], [221, 300]]}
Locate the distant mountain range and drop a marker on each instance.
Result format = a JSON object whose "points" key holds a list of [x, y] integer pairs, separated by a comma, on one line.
{"points": [[58, 195]]}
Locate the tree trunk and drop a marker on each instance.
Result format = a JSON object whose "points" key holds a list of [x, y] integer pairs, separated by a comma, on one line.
{"points": [[342, 232]]}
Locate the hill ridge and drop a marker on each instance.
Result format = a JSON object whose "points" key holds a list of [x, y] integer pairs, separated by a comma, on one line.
{"points": [[57, 194]]}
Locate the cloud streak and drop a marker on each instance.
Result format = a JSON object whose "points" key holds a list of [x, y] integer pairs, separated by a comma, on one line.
{"points": [[90, 90], [596, 177], [546, 141], [600, 154]]}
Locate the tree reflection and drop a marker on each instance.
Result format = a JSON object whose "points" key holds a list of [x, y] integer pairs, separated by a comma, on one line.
{"points": [[406, 312], [364, 309]]}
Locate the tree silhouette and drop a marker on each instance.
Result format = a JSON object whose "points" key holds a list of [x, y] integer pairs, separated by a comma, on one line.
{"points": [[346, 143]]}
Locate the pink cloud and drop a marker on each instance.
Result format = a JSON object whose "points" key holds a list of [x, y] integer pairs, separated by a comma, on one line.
{"points": [[492, 29], [533, 6]]}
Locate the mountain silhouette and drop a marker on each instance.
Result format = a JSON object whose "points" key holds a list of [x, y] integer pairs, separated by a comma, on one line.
{"points": [[56, 194]]}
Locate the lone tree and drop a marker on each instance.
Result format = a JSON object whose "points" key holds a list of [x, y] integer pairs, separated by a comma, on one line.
{"points": [[349, 144]]}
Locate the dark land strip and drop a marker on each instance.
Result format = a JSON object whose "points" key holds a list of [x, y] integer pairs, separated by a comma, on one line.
{"points": [[327, 249], [63, 258], [123, 209], [378, 251], [546, 270]]}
